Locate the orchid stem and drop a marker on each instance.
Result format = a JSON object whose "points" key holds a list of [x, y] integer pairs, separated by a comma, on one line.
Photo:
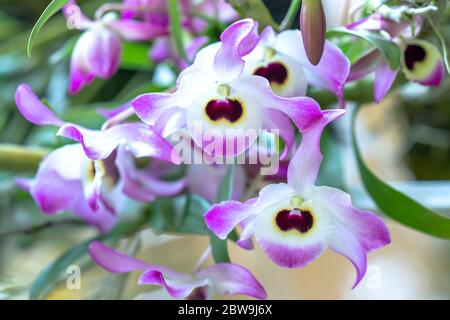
{"points": [[37, 228], [290, 15], [19, 158], [443, 44]]}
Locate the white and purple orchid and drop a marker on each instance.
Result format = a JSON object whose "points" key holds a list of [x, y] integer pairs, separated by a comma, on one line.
{"points": [[282, 60], [295, 222], [222, 278], [98, 51], [215, 97], [100, 170], [421, 61]]}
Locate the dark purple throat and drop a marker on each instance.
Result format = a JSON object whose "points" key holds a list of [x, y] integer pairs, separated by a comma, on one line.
{"points": [[274, 72], [300, 220], [413, 55], [228, 109]]}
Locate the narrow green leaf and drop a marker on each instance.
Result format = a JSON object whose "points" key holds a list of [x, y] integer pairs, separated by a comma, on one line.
{"points": [[182, 214], [51, 9], [389, 49], [397, 205], [255, 9], [219, 247], [54, 271], [176, 29], [291, 14]]}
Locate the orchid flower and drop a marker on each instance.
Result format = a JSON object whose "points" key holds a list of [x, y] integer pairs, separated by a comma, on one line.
{"points": [[295, 222], [97, 52], [214, 96], [422, 62], [101, 168], [222, 278], [58, 186], [281, 59]]}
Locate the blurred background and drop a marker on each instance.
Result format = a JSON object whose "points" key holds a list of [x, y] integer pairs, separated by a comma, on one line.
{"points": [[405, 140]]}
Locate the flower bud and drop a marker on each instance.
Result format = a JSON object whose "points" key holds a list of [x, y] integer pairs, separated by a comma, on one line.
{"points": [[313, 27], [423, 63], [96, 54]]}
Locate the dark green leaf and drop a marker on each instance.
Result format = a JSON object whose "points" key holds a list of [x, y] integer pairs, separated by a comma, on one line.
{"points": [[56, 269], [183, 214], [389, 49], [397, 205], [176, 29], [219, 247], [51, 9]]}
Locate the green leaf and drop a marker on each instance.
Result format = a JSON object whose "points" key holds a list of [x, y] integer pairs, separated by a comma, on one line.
{"points": [[389, 49], [135, 57], [397, 205], [183, 214], [255, 9], [219, 247], [55, 270], [51, 9], [176, 29]]}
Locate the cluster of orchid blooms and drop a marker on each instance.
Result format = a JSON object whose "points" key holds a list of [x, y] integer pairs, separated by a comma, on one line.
{"points": [[249, 80]]}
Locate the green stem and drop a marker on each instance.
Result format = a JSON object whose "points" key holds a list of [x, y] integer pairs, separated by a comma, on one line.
{"points": [[290, 14], [176, 28], [37, 228], [443, 44], [19, 158]]}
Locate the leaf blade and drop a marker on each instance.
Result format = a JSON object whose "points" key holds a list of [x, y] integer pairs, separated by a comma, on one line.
{"points": [[50, 11], [397, 205], [389, 49]]}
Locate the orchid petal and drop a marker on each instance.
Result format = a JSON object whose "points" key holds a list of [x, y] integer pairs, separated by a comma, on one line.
{"points": [[238, 40], [365, 66], [57, 179], [133, 30], [114, 261], [384, 79], [231, 279], [303, 111], [96, 144], [33, 109], [277, 120], [304, 166], [177, 288], [332, 71], [102, 51], [222, 218], [356, 232], [75, 17]]}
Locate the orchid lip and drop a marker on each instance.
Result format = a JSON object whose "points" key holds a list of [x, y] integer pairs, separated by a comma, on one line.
{"points": [[414, 54], [298, 219], [275, 72], [230, 110]]}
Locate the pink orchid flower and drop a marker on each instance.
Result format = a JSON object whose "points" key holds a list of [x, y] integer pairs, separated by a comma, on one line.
{"points": [[98, 173], [222, 278], [214, 95], [98, 51], [295, 222]]}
